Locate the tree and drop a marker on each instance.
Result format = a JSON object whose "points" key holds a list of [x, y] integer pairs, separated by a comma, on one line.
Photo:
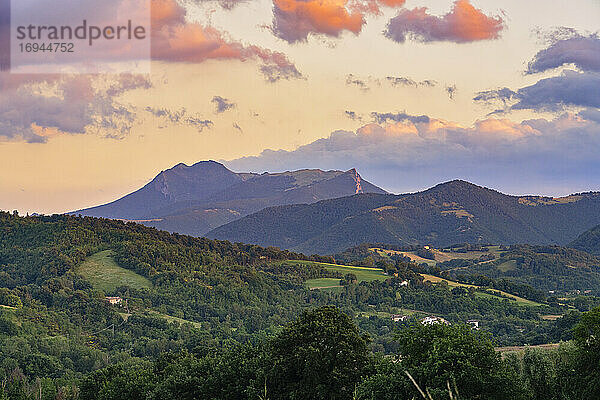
{"points": [[587, 339], [121, 381], [349, 279], [236, 373], [321, 355], [439, 354]]}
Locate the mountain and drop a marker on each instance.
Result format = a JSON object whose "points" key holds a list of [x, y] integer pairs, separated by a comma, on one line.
{"points": [[588, 241], [195, 199], [449, 213]]}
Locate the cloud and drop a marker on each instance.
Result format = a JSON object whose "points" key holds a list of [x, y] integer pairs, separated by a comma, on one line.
{"points": [[226, 4], [352, 115], [450, 91], [404, 81], [222, 104], [463, 24], [176, 40], [571, 88], [180, 117], [362, 84], [33, 108], [546, 155], [237, 127], [381, 118], [295, 20], [581, 51]]}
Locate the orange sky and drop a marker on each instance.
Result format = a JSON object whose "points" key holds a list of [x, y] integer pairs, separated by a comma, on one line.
{"points": [[289, 87]]}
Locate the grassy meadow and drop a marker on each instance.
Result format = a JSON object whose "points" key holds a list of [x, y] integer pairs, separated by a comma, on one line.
{"points": [[103, 273]]}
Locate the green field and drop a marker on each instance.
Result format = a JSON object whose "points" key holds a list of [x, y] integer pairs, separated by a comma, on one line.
{"points": [[440, 255], [103, 273], [507, 266], [363, 274], [324, 283], [170, 318], [437, 279], [519, 300]]}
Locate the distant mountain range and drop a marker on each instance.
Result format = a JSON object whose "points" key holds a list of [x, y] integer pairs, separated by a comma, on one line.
{"points": [[195, 199], [588, 241], [449, 213]]}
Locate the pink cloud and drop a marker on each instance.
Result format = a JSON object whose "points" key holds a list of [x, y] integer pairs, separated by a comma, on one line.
{"points": [[294, 20], [176, 40], [463, 24]]}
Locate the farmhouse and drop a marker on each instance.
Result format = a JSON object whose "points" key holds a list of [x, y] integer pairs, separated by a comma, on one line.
{"points": [[114, 300], [399, 317], [474, 324], [434, 320]]}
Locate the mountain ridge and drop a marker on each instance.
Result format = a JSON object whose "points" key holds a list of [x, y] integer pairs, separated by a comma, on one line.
{"points": [[197, 198], [588, 241], [451, 212]]}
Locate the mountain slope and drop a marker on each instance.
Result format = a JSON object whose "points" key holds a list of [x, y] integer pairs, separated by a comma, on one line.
{"points": [[453, 212], [180, 183], [195, 199], [588, 241]]}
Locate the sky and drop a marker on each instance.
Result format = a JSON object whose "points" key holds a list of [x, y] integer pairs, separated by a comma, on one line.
{"points": [[411, 93]]}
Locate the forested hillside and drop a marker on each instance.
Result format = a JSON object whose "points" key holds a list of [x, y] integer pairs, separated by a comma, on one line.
{"points": [[588, 241], [175, 294], [449, 213]]}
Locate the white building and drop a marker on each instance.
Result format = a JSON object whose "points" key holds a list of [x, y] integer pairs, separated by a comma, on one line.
{"points": [[434, 320], [114, 300], [474, 324]]}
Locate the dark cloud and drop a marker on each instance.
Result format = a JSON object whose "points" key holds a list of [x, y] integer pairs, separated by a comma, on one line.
{"points": [[571, 88], [275, 72], [505, 95], [199, 123], [403, 81], [463, 24], [590, 114], [381, 118], [548, 156], [352, 80], [352, 115], [568, 47], [33, 108], [222, 104], [451, 91], [180, 117]]}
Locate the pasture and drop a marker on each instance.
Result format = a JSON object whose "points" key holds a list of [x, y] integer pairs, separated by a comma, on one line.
{"points": [[103, 273], [363, 274]]}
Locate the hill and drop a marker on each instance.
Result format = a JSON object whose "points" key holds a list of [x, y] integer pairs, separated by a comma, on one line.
{"points": [[188, 295], [103, 273], [195, 199], [449, 213], [588, 241], [561, 270]]}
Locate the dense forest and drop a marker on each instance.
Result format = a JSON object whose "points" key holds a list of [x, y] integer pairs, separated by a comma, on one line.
{"points": [[588, 241], [451, 212], [210, 307], [323, 355]]}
